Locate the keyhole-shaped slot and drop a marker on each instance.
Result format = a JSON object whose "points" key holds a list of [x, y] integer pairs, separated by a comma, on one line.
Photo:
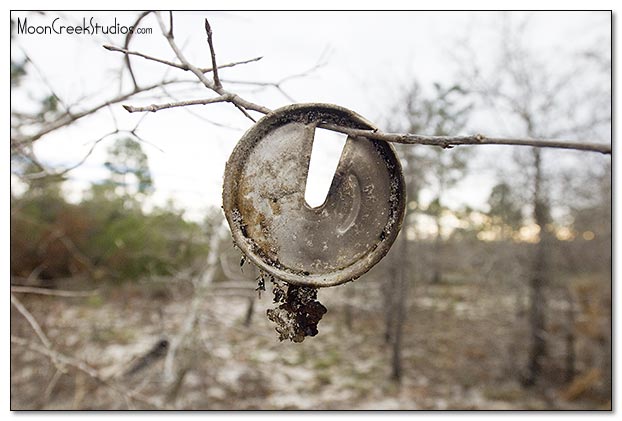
{"points": [[325, 156]]}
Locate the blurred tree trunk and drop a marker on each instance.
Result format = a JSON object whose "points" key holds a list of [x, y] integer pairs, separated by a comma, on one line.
{"points": [[570, 337], [400, 294], [347, 312], [389, 293], [538, 280], [437, 275]]}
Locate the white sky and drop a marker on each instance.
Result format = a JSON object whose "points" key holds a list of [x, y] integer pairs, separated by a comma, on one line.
{"points": [[369, 56]]}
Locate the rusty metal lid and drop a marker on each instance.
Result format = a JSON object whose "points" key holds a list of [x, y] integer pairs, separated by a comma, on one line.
{"points": [[263, 199]]}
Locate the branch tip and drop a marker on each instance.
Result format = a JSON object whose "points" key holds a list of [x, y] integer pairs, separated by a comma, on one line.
{"points": [[208, 30]]}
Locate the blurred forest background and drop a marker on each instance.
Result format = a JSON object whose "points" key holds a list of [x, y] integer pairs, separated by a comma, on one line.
{"points": [[117, 303]]}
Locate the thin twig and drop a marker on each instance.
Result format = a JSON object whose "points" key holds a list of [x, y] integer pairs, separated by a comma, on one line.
{"points": [[45, 81], [83, 367], [36, 327], [170, 20], [127, 45], [279, 84], [34, 275], [478, 139], [177, 65], [53, 292], [31, 321], [45, 173], [50, 387], [157, 107], [236, 100], [85, 157], [262, 85], [208, 30], [146, 142], [68, 119], [195, 114]]}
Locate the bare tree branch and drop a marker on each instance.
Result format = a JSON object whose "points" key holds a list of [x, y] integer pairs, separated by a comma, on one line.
{"points": [[170, 22], [445, 142], [45, 80], [243, 105], [208, 30], [52, 292], [36, 327], [84, 368], [236, 100], [197, 115], [172, 64], [478, 139], [158, 107], [279, 84], [46, 173], [127, 45], [50, 387], [31, 321], [68, 119]]}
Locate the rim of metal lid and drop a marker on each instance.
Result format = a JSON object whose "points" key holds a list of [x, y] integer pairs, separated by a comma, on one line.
{"points": [[307, 113]]}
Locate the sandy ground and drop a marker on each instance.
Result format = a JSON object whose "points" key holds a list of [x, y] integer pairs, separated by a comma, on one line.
{"points": [[464, 347]]}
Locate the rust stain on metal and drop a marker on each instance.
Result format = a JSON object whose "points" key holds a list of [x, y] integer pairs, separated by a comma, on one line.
{"points": [[263, 199]]}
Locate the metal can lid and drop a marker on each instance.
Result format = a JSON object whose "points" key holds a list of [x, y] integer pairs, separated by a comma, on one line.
{"points": [[271, 223]]}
